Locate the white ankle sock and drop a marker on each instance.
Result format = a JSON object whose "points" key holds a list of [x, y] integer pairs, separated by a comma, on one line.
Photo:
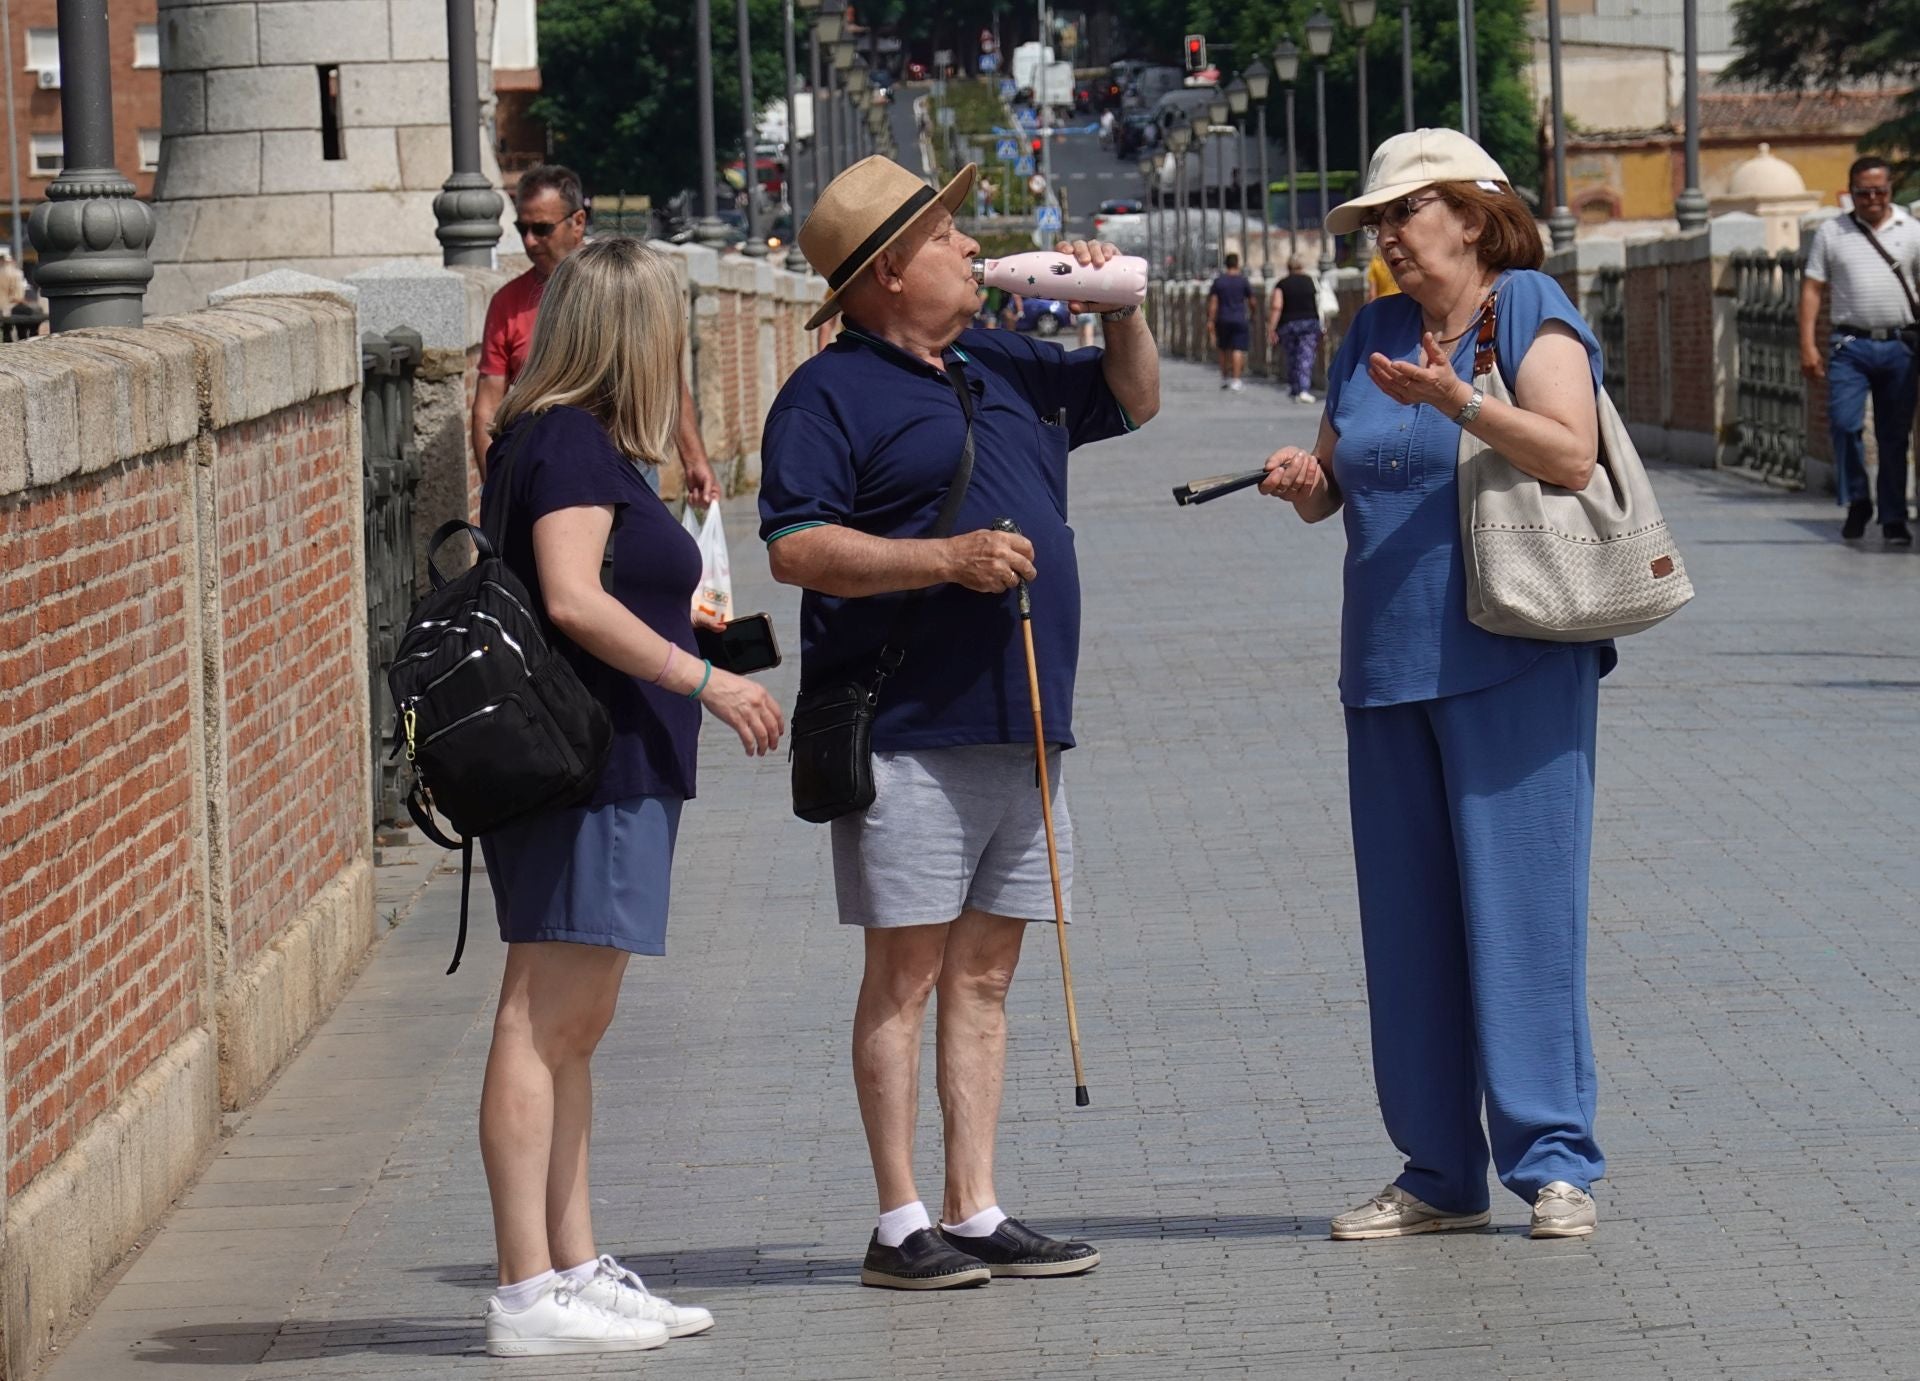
{"points": [[898, 1224], [981, 1224], [522, 1293], [581, 1274]]}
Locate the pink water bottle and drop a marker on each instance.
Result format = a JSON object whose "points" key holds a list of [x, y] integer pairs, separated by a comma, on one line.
{"points": [[1120, 282]]}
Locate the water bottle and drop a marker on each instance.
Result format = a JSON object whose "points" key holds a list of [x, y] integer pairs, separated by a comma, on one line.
{"points": [[1120, 282]]}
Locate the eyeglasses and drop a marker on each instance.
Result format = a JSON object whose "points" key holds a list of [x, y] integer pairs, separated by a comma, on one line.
{"points": [[1395, 214], [1861, 193]]}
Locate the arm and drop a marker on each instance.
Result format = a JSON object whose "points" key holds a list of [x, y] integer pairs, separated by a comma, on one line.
{"points": [[567, 544], [835, 560], [1131, 366], [487, 396], [1213, 308], [1812, 363], [1305, 478], [702, 489]]}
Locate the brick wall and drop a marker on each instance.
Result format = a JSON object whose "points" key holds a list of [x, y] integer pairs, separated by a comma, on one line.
{"points": [[184, 770], [1645, 364], [1694, 403]]}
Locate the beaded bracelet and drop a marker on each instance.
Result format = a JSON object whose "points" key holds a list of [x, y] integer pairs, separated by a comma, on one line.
{"points": [[694, 694]]}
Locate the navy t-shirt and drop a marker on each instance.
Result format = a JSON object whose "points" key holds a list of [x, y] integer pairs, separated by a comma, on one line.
{"points": [[867, 436], [1232, 289], [569, 462]]}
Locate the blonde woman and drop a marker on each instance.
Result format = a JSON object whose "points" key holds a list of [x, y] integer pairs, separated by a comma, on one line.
{"points": [[579, 890]]}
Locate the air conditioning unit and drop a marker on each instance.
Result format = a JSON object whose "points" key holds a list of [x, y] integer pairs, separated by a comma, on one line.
{"points": [[49, 78]]}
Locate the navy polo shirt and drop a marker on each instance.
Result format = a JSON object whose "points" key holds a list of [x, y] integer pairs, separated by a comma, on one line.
{"points": [[865, 435]]}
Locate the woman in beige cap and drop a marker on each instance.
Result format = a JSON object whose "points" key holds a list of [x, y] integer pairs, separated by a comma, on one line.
{"points": [[1470, 755]]}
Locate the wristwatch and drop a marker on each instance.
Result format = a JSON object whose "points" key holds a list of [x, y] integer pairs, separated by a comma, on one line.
{"points": [[1472, 408]]}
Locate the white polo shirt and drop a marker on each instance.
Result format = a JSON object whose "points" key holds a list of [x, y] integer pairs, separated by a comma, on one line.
{"points": [[1864, 290]]}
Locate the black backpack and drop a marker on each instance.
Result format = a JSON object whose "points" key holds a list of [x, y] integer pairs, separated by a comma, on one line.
{"points": [[498, 726]]}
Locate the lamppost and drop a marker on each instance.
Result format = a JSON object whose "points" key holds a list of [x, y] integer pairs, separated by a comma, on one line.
{"points": [[1286, 67], [1561, 222], [1320, 43], [756, 245], [1690, 209], [1406, 64], [1202, 126], [1359, 15], [795, 259], [467, 209], [1237, 104], [843, 54], [1149, 175], [709, 230], [1469, 72], [1219, 109], [827, 28], [92, 233], [1257, 79], [1177, 140], [861, 94]]}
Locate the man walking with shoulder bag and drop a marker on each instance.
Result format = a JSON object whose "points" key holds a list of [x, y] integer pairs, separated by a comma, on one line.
{"points": [[887, 459], [1869, 259]]}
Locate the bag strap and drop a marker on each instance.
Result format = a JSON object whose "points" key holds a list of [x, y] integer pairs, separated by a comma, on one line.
{"points": [[1913, 306], [423, 817], [891, 653], [497, 532]]}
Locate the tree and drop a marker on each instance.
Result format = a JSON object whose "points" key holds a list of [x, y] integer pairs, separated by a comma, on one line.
{"points": [[1238, 31], [619, 85], [1796, 44]]}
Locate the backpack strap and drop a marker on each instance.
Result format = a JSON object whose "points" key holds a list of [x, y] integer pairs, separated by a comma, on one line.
{"points": [[423, 817]]}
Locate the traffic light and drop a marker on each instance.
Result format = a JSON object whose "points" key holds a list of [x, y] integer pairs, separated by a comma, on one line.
{"points": [[1196, 52], [1034, 145]]}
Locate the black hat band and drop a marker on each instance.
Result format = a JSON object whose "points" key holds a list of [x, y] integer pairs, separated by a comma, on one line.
{"points": [[870, 246]]}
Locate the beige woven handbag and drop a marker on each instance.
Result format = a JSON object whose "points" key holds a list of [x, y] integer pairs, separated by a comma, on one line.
{"points": [[1547, 562]]}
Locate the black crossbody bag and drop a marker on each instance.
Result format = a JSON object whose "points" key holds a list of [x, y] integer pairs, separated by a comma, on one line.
{"points": [[1909, 333], [830, 739]]}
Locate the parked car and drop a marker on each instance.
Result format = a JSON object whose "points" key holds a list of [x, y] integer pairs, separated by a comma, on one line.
{"points": [[1136, 134], [1043, 316], [1119, 206]]}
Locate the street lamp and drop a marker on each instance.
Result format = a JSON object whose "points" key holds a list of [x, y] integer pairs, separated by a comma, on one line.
{"points": [[1690, 209], [709, 230], [1258, 78], [1177, 140], [1286, 67], [1320, 43], [1237, 104], [756, 245], [843, 54], [1219, 110], [1149, 175], [1202, 126], [1561, 222], [1406, 64], [1359, 15], [795, 259]]}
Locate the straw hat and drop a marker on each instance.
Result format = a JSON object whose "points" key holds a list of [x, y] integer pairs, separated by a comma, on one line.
{"points": [[1408, 162], [860, 213]]}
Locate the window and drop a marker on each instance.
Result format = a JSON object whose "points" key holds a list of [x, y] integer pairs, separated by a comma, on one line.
{"points": [[48, 154], [149, 150], [43, 50], [331, 147], [146, 45]]}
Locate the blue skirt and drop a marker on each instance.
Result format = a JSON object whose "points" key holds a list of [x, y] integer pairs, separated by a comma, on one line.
{"points": [[592, 875]]}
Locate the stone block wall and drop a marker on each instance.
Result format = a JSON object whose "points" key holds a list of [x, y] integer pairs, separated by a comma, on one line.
{"points": [[184, 776]]}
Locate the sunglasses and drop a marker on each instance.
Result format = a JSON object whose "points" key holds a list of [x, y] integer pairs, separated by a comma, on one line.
{"points": [[1861, 193], [539, 229], [1395, 214]]}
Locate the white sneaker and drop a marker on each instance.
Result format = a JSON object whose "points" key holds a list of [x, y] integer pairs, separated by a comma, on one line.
{"points": [[1303, 397], [1237, 384], [561, 1321], [619, 1291]]}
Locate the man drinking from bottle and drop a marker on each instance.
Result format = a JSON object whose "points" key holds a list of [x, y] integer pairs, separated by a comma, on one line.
{"points": [[946, 867]]}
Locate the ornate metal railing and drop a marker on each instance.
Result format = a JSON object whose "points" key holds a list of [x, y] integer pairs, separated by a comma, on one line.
{"points": [[390, 472], [1770, 395], [1610, 321]]}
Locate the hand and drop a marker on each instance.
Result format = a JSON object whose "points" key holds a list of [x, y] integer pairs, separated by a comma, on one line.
{"points": [[1432, 382], [988, 561], [703, 490], [1812, 363], [745, 707], [1092, 253], [1294, 475], [702, 619]]}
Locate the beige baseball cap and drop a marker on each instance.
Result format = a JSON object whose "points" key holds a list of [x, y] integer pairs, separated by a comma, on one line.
{"points": [[1409, 162]]}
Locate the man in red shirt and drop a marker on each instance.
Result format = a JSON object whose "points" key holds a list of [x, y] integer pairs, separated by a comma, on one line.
{"points": [[551, 216]]}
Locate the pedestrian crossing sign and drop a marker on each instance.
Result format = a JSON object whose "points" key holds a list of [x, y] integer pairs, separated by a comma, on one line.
{"points": [[1006, 150], [1047, 218], [1025, 166]]}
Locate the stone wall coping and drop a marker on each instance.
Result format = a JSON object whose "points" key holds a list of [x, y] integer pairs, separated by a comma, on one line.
{"points": [[1736, 230], [744, 275], [285, 283], [1586, 256], [1669, 250], [448, 307], [703, 265]]}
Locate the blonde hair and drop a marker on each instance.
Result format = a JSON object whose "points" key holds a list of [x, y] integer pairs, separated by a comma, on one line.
{"points": [[607, 339]]}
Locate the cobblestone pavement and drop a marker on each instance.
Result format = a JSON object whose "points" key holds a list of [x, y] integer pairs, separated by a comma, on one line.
{"points": [[1754, 991]]}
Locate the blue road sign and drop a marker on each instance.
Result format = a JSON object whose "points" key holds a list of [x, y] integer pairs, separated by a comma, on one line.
{"points": [[1025, 166], [1006, 150], [1007, 88], [1047, 218]]}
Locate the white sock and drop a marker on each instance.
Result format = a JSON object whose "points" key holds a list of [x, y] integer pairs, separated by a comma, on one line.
{"points": [[981, 1224], [522, 1293], [581, 1274], [898, 1224]]}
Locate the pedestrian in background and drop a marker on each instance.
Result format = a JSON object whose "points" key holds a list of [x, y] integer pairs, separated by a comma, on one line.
{"points": [[550, 214], [13, 283], [1293, 324], [1868, 259], [578, 890], [1379, 277], [1470, 756], [1227, 316]]}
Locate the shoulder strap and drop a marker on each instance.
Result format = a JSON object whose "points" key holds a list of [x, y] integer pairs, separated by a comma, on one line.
{"points": [[1913, 306], [891, 653], [497, 532]]}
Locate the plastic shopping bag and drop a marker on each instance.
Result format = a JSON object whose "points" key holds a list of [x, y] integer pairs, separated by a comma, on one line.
{"points": [[713, 597]]}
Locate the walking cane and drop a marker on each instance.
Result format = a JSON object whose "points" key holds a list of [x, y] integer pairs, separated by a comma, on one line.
{"points": [[1080, 1098]]}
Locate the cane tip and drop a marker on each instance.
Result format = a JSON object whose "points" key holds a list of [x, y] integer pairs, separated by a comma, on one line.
{"points": [[1080, 1099]]}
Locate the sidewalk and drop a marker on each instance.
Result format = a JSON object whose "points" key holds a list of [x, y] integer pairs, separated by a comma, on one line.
{"points": [[1756, 993]]}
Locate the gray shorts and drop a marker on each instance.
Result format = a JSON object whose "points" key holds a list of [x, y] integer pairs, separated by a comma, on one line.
{"points": [[952, 830]]}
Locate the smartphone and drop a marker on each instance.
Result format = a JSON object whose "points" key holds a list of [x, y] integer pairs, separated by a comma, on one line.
{"points": [[744, 646]]}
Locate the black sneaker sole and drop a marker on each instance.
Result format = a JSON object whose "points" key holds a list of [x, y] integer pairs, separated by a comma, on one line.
{"points": [[881, 1280], [1077, 1266]]}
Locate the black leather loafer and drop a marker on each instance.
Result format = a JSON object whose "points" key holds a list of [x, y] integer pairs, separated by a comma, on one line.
{"points": [[1014, 1249], [1858, 514], [922, 1262]]}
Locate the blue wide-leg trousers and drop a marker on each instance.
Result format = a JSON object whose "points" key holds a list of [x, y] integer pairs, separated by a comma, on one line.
{"points": [[1472, 840]]}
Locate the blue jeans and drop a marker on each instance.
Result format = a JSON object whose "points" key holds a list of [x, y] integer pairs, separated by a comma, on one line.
{"points": [[1886, 369]]}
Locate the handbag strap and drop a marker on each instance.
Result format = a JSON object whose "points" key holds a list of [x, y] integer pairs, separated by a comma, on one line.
{"points": [[891, 652], [497, 532], [1913, 306]]}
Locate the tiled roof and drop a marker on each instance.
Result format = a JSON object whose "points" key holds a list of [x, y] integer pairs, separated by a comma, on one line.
{"points": [[1727, 113]]}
